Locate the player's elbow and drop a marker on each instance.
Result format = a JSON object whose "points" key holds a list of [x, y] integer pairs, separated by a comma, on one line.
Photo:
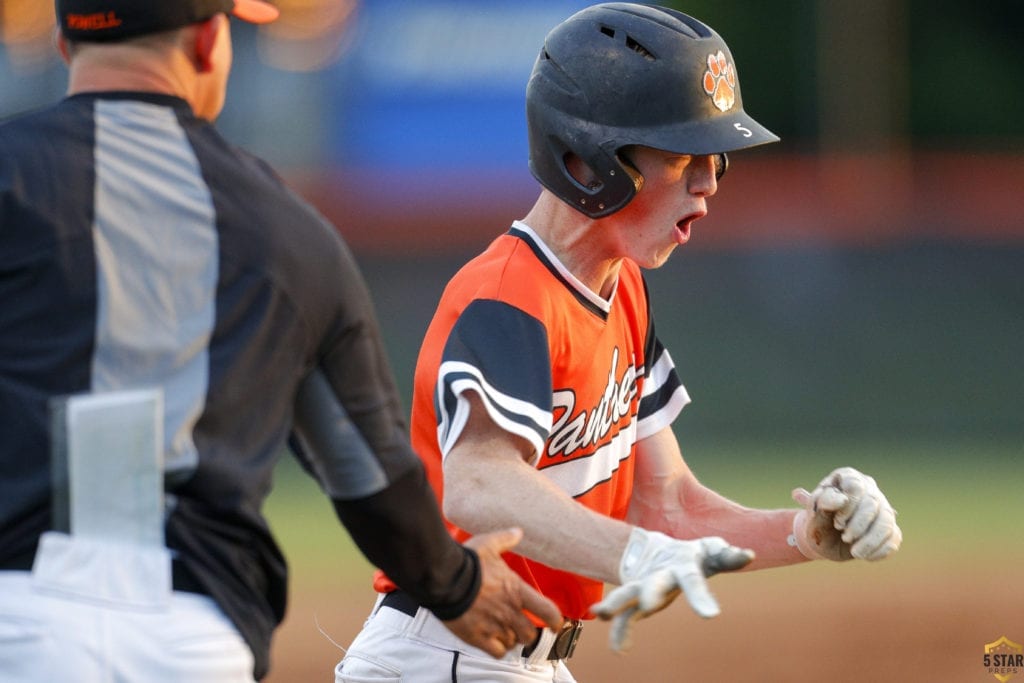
{"points": [[461, 510], [482, 485], [472, 508]]}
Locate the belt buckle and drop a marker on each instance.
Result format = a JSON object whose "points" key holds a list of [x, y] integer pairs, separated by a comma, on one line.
{"points": [[566, 640]]}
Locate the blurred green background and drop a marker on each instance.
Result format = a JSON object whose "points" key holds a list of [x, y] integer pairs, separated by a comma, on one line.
{"points": [[855, 296]]}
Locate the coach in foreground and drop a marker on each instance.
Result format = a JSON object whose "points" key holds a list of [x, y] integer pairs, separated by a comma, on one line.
{"points": [[139, 250], [543, 397]]}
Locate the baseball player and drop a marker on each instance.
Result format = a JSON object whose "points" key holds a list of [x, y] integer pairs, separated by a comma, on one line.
{"points": [[543, 396], [139, 250]]}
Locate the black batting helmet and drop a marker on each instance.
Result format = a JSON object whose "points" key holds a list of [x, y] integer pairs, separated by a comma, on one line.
{"points": [[619, 74]]}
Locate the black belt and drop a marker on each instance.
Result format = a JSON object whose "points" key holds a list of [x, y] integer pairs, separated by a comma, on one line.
{"points": [[181, 578], [563, 647], [22, 563], [401, 601], [565, 641]]}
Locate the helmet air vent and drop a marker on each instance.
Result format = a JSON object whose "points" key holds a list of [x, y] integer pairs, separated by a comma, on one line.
{"points": [[636, 47], [631, 42]]}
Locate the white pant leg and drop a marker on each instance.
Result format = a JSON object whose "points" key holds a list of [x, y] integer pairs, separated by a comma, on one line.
{"points": [[393, 646], [53, 634], [46, 638]]}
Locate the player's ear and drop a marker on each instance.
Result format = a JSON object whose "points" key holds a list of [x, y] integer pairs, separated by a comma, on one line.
{"points": [[204, 46], [63, 49]]}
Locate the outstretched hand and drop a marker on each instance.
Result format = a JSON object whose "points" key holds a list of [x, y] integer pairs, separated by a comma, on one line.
{"points": [[496, 620], [847, 516], [655, 569]]}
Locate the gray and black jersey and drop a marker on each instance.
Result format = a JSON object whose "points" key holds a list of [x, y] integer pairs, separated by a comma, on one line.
{"points": [[139, 249]]}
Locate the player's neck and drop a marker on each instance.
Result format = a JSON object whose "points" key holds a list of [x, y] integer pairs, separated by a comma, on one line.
{"points": [[577, 241], [123, 69]]}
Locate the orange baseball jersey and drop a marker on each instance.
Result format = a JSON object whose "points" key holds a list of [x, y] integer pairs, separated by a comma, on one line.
{"points": [[580, 378]]}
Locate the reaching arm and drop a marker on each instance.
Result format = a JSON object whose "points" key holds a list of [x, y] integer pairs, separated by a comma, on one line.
{"points": [[845, 517], [393, 517], [667, 497]]}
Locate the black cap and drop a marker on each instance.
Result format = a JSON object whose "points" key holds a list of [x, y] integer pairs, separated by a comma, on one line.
{"points": [[111, 20]]}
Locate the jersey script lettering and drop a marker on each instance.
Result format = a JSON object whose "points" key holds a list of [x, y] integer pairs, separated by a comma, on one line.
{"points": [[571, 432]]}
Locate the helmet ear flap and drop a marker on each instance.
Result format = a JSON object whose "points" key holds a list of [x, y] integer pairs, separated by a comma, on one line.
{"points": [[616, 182], [610, 182]]}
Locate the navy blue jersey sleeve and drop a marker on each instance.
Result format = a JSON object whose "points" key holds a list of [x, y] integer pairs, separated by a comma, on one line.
{"points": [[502, 354]]}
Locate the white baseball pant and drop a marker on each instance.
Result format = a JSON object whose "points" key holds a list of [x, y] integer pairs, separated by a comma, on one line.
{"points": [[394, 646], [96, 613]]}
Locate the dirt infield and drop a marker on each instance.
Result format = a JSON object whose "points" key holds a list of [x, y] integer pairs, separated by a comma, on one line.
{"points": [[905, 620]]}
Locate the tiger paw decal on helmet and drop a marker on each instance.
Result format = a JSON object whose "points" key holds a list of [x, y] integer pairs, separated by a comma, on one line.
{"points": [[720, 81]]}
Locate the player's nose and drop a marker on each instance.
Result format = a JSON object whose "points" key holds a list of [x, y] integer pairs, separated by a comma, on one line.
{"points": [[702, 179]]}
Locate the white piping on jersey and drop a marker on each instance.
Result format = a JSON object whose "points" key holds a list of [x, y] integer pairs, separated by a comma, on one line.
{"points": [[450, 428], [579, 475], [658, 420], [661, 371], [575, 476], [157, 266], [605, 305]]}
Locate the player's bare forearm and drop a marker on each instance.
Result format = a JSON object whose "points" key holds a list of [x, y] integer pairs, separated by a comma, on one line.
{"points": [[667, 497], [709, 514], [489, 486]]}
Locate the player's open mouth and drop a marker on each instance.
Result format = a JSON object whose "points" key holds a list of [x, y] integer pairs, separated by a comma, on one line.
{"points": [[682, 232], [683, 227]]}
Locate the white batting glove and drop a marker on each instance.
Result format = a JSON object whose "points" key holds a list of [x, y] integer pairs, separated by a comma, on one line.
{"points": [[847, 516], [655, 568]]}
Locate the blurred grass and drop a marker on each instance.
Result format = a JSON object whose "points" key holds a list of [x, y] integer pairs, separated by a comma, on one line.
{"points": [[957, 499]]}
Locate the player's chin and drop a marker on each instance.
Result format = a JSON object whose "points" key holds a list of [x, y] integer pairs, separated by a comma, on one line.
{"points": [[657, 259]]}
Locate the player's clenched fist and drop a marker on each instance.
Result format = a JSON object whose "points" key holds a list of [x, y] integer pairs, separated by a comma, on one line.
{"points": [[847, 516], [655, 568]]}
